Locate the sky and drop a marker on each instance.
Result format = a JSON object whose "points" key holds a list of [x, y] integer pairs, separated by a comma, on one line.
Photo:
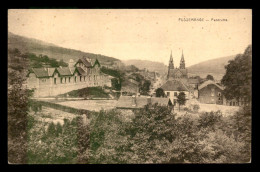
{"points": [[146, 34]]}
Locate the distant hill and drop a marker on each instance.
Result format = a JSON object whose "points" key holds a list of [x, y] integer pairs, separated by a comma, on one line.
{"points": [[149, 65], [215, 67], [37, 47]]}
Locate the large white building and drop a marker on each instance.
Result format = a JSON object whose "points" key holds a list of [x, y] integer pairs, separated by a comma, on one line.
{"points": [[54, 81]]}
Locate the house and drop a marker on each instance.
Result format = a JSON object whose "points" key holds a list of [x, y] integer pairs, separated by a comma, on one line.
{"points": [[138, 102], [54, 81], [172, 88], [211, 93]]}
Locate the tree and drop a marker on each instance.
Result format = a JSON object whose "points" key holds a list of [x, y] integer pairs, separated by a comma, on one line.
{"points": [[145, 87], [210, 77], [238, 77], [18, 101], [159, 92], [181, 99]]}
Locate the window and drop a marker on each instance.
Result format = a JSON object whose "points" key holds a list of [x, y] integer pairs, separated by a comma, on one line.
{"points": [[230, 103], [69, 79], [65, 79], [84, 78], [80, 78], [219, 98], [54, 80], [61, 80], [219, 94], [168, 93], [175, 93], [212, 100], [75, 79], [233, 103]]}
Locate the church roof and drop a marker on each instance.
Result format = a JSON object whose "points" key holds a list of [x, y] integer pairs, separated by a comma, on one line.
{"points": [[174, 85]]}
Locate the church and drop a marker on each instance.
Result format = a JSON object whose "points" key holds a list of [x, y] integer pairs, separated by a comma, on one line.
{"points": [[178, 81], [180, 73]]}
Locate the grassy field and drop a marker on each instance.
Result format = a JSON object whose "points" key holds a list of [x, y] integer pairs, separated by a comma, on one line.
{"points": [[93, 105], [89, 92]]}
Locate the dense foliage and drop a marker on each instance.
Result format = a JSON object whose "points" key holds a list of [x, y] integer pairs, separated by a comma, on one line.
{"points": [[18, 107], [150, 135], [238, 77], [159, 92], [181, 99], [210, 77], [34, 60]]}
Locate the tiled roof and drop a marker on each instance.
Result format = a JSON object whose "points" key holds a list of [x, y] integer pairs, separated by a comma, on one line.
{"points": [[85, 62], [96, 63], [64, 71], [174, 85], [209, 82], [43, 72], [81, 71], [160, 100]]}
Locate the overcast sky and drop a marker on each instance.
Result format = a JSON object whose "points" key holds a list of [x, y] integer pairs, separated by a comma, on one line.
{"points": [[139, 34]]}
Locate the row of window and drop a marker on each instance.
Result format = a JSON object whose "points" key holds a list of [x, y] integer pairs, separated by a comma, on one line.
{"points": [[64, 80]]}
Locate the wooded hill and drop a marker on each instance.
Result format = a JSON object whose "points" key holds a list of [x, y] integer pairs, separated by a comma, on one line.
{"points": [[30, 45]]}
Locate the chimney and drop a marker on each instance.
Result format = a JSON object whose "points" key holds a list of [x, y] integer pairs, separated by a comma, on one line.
{"points": [[134, 101], [71, 63]]}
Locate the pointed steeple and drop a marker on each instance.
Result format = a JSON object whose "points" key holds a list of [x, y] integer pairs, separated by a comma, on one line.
{"points": [[171, 65], [182, 63]]}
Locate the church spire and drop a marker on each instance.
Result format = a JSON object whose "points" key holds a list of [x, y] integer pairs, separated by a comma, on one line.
{"points": [[171, 65], [182, 63]]}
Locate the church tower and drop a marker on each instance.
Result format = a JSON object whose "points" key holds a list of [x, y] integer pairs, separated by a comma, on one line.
{"points": [[182, 63], [171, 65]]}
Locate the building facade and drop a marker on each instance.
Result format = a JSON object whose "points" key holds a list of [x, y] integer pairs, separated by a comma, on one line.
{"points": [[48, 82], [173, 88], [211, 93]]}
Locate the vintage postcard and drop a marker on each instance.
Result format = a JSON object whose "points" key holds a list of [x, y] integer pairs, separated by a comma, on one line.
{"points": [[129, 86]]}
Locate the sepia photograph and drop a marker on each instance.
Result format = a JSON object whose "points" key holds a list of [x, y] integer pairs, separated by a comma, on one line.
{"points": [[129, 86]]}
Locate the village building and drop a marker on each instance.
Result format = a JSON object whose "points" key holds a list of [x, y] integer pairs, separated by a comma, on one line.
{"points": [[211, 93], [173, 88], [178, 81], [48, 82], [138, 102]]}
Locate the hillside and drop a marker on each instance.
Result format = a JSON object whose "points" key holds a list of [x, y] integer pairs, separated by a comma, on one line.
{"points": [[40, 47], [215, 67], [150, 65]]}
